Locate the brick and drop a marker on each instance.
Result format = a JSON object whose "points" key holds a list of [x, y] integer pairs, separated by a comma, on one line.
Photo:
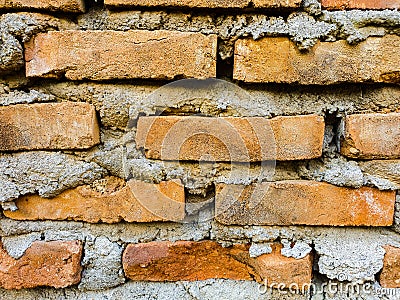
{"points": [[137, 201], [205, 3], [370, 136], [55, 264], [185, 260], [52, 5], [66, 125], [390, 275], [360, 4], [279, 60], [230, 139], [301, 202], [103, 55]]}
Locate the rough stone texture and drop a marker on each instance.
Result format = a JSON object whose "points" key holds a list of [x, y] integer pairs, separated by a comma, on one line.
{"points": [[45, 173], [360, 4], [66, 125], [52, 5], [102, 265], [205, 3], [230, 139], [370, 136], [10, 97], [303, 203], [390, 275], [166, 261], [348, 255], [55, 264], [206, 290], [278, 60], [384, 174], [111, 201], [102, 55]]}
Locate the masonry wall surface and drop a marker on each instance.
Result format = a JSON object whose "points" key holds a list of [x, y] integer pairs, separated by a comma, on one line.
{"points": [[174, 149]]}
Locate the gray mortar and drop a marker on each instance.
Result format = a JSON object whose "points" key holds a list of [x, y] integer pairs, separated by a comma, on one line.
{"points": [[16, 245], [298, 250], [9, 97], [397, 214], [45, 173], [257, 249], [102, 265], [20, 27], [212, 289]]}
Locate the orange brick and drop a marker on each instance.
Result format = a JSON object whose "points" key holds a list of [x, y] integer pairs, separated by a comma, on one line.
{"points": [[390, 275], [66, 125], [370, 136], [301, 202], [360, 4], [137, 201], [55, 264], [184, 260], [52, 5], [231, 139], [102, 55], [279, 60], [205, 3]]}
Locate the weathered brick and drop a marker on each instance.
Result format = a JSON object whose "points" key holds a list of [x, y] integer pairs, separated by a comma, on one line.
{"points": [[230, 138], [184, 260], [102, 55], [137, 201], [360, 4], [66, 125], [55, 264], [52, 5], [371, 136], [390, 275], [279, 60], [303, 203], [206, 3]]}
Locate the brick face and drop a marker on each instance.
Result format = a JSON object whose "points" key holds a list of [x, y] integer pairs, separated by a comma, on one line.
{"points": [[279, 60], [303, 203], [205, 3], [390, 275], [371, 136], [360, 4], [52, 5], [66, 125], [184, 260], [103, 55], [55, 264], [231, 139], [136, 202]]}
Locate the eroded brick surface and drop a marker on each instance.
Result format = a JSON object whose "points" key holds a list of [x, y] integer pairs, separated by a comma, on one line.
{"points": [[231, 139], [390, 275], [55, 264], [102, 55], [52, 5], [301, 202], [360, 4], [137, 201]]}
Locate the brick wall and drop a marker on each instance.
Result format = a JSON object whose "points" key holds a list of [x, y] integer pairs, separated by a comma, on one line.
{"points": [[216, 149]]}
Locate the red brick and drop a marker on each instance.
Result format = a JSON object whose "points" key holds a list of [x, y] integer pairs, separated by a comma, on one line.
{"points": [[137, 201], [102, 55], [231, 139], [301, 202], [55, 264], [52, 5], [370, 136], [184, 260], [360, 4], [390, 275], [66, 125], [205, 3], [279, 60]]}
